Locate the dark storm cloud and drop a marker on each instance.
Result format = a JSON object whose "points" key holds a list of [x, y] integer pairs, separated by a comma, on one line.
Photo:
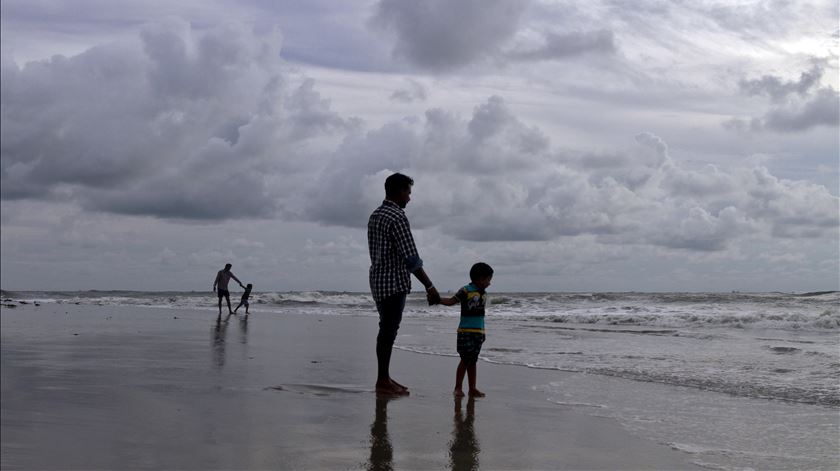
{"points": [[441, 35], [796, 105], [779, 89], [209, 125], [414, 91], [559, 46]]}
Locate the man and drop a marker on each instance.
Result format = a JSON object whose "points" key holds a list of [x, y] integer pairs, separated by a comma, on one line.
{"points": [[222, 279], [393, 258]]}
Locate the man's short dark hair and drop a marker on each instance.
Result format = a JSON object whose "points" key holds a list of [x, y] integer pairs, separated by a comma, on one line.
{"points": [[397, 183], [480, 270]]}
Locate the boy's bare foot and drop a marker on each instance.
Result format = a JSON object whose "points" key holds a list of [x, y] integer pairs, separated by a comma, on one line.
{"points": [[476, 393], [458, 393]]}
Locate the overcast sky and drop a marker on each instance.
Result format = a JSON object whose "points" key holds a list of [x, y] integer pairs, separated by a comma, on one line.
{"points": [[575, 146]]}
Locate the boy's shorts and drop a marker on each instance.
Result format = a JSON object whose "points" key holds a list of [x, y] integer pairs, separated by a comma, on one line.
{"points": [[469, 345]]}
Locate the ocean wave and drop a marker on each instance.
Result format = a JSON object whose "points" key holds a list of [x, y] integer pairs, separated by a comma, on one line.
{"points": [[808, 311]]}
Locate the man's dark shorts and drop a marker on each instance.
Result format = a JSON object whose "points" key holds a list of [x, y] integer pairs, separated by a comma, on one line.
{"points": [[469, 345], [223, 293]]}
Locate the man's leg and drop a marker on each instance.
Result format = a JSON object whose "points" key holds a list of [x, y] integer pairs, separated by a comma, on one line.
{"points": [[220, 305], [227, 298], [390, 316]]}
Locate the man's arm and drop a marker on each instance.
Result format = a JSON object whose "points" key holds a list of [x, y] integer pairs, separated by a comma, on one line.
{"points": [[235, 278], [216, 281], [432, 295], [401, 232]]}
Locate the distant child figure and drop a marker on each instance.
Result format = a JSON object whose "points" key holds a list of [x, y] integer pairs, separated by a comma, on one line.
{"points": [[244, 300], [471, 328]]}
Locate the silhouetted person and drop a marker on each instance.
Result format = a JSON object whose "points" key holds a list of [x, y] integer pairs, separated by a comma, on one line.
{"points": [[381, 451], [471, 327], [244, 299], [393, 259], [464, 449], [221, 281]]}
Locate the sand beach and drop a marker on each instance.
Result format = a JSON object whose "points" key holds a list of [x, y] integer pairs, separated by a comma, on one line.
{"points": [[104, 387]]}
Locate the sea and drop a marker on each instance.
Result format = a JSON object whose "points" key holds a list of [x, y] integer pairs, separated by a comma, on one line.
{"points": [[756, 375]]}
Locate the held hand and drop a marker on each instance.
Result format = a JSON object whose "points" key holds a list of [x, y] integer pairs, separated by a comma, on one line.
{"points": [[432, 296]]}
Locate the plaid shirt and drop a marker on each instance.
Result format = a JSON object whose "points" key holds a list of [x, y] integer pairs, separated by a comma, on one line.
{"points": [[393, 255]]}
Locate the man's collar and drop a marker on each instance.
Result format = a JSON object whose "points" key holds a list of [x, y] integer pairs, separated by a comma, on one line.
{"points": [[391, 203]]}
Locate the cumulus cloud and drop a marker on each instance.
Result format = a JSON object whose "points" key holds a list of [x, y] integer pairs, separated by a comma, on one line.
{"points": [[489, 177], [180, 124]]}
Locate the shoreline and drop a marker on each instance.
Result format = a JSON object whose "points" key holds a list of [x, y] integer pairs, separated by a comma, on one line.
{"points": [[124, 387]]}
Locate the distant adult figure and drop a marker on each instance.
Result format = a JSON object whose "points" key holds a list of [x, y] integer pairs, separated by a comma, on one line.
{"points": [[393, 259], [222, 279]]}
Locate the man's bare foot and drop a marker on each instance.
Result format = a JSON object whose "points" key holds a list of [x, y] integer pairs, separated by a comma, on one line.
{"points": [[398, 385], [476, 393], [458, 393], [390, 389]]}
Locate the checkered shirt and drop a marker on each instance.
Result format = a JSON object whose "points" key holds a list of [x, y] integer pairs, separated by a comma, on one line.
{"points": [[393, 255]]}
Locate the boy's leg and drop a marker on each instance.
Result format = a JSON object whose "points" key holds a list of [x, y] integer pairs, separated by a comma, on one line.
{"points": [[471, 375], [478, 340], [459, 378], [237, 307]]}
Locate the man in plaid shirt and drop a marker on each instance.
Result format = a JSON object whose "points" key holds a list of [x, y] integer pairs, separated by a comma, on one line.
{"points": [[393, 258]]}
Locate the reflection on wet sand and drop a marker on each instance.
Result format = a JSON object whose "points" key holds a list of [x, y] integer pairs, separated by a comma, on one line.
{"points": [[381, 451], [243, 329], [218, 337], [464, 449], [218, 334]]}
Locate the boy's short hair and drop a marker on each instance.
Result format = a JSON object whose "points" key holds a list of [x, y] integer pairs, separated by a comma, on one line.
{"points": [[480, 270], [397, 183]]}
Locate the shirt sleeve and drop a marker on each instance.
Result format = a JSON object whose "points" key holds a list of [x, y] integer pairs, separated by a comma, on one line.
{"points": [[461, 295], [401, 233]]}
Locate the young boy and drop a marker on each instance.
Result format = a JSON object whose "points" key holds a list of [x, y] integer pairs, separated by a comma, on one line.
{"points": [[244, 299], [471, 328]]}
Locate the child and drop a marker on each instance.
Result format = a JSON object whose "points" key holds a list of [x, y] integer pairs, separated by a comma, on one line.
{"points": [[471, 327], [244, 299]]}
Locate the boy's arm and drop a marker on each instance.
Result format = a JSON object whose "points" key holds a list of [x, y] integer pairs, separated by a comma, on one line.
{"points": [[449, 301]]}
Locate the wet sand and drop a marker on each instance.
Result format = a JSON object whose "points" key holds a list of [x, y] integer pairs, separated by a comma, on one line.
{"points": [[89, 387]]}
